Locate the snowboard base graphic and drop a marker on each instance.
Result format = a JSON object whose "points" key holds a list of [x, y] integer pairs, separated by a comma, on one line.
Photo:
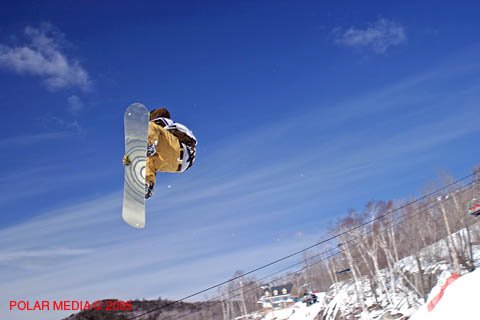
{"points": [[136, 131]]}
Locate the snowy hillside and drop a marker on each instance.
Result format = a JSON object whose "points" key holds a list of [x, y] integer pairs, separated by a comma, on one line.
{"points": [[445, 302], [456, 297], [298, 311], [459, 300]]}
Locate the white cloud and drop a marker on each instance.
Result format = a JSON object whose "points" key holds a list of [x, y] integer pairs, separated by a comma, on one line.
{"points": [[23, 140], [60, 124], [20, 255], [42, 56], [75, 104], [378, 37]]}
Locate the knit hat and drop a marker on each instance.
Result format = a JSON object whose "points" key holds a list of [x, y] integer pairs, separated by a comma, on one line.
{"points": [[159, 113]]}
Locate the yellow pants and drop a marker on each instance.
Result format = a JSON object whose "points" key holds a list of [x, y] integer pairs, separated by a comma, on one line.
{"points": [[168, 152]]}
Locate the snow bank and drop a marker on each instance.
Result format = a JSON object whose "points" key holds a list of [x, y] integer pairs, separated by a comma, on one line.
{"points": [[298, 311], [459, 300]]}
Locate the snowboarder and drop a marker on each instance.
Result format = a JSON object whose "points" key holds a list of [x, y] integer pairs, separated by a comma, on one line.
{"points": [[171, 147]]}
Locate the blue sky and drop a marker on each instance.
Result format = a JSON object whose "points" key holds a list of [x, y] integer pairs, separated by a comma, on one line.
{"points": [[302, 110]]}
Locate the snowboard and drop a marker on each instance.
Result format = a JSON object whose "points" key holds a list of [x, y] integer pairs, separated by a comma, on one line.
{"points": [[136, 132]]}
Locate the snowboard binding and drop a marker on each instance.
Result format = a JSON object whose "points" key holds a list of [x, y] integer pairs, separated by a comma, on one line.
{"points": [[126, 161]]}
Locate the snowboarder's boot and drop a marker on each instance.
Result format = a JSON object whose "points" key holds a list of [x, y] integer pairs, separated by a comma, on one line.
{"points": [[149, 189]]}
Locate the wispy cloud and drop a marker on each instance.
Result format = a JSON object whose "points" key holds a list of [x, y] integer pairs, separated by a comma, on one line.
{"points": [[31, 139], [75, 104], [43, 55], [71, 126], [21, 255], [378, 37]]}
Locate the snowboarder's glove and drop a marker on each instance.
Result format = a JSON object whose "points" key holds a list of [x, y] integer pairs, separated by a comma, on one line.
{"points": [[152, 149], [126, 161]]}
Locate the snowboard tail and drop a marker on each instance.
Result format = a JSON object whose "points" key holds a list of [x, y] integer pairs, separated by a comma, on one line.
{"points": [[136, 132]]}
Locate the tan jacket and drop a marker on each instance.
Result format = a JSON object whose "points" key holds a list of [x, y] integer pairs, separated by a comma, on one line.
{"points": [[175, 145]]}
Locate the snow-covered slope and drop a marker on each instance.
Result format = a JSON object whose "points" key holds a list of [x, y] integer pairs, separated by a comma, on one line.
{"points": [[342, 300], [459, 300], [298, 311]]}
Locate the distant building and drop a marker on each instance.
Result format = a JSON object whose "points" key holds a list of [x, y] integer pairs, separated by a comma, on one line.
{"points": [[278, 296]]}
